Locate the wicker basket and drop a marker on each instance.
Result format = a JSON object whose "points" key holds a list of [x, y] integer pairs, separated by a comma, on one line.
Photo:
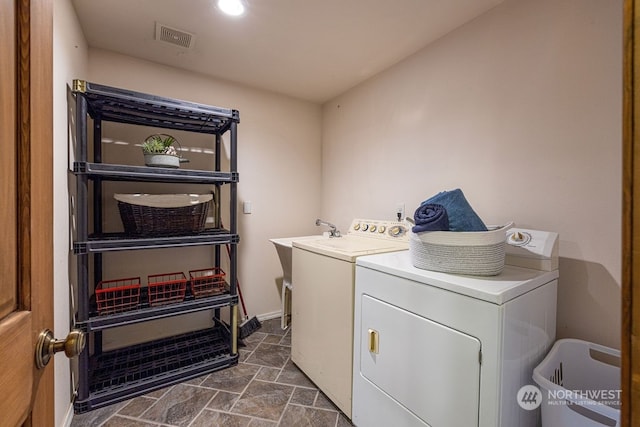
{"points": [[478, 253], [163, 214]]}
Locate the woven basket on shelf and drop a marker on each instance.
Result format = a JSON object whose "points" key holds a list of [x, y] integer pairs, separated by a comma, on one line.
{"points": [[163, 214], [477, 253]]}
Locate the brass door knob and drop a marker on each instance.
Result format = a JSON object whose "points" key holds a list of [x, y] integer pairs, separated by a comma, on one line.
{"points": [[47, 346]]}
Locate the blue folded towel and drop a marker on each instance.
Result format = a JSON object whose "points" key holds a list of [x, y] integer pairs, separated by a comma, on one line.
{"points": [[430, 217], [461, 215]]}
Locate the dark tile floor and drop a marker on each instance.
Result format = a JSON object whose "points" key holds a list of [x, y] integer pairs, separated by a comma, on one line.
{"points": [[264, 390]]}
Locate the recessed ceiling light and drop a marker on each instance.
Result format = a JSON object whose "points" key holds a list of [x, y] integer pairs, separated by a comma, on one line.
{"points": [[231, 7]]}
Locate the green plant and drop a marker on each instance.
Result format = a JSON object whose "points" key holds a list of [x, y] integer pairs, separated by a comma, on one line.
{"points": [[159, 144]]}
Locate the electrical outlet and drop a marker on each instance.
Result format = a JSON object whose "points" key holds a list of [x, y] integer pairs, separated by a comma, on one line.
{"points": [[399, 211]]}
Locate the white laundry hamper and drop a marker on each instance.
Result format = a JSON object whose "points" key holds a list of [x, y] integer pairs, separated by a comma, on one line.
{"points": [[580, 385]]}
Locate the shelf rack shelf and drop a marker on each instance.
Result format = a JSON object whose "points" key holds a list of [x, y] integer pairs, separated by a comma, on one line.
{"points": [[145, 312], [142, 368], [106, 377], [136, 108], [109, 172], [108, 242]]}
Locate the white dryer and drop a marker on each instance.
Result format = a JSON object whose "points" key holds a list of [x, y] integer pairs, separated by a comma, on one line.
{"points": [[442, 350]]}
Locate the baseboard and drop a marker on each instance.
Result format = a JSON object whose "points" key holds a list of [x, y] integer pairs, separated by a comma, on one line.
{"points": [[68, 418], [269, 316]]}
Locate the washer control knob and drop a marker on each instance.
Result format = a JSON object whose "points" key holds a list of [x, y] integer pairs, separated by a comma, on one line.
{"points": [[356, 227], [382, 229], [396, 231], [365, 227], [517, 237], [372, 228]]}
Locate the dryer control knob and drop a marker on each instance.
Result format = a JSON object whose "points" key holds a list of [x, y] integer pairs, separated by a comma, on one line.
{"points": [[372, 228], [382, 229], [517, 237], [365, 227]]}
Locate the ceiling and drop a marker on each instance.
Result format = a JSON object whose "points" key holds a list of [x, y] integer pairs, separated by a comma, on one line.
{"points": [[308, 49]]}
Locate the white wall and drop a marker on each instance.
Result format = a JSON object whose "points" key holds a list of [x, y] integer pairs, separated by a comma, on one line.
{"points": [[521, 108], [69, 62]]}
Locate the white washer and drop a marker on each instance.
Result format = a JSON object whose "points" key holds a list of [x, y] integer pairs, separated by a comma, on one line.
{"points": [[442, 350], [322, 304]]}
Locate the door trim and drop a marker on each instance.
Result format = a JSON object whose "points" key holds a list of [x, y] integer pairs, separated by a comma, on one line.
{"points": [[630, 310], [35, 185]]}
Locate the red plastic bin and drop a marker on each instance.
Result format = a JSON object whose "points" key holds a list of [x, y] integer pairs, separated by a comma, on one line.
{"points": [[207, 282], [166, 288], [115, 296]]}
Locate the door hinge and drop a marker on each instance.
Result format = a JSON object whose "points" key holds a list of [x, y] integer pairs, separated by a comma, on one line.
{"points": [[79, 85]]}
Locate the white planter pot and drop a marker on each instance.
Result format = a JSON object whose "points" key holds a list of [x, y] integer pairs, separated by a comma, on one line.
{"points": [[162, 160]]}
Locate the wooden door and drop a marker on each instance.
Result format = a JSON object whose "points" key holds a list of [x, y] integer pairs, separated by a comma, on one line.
{"points": [[26, 209], [630, 383]]}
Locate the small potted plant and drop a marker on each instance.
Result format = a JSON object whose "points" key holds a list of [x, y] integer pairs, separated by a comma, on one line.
{"points": [[159, 151]]}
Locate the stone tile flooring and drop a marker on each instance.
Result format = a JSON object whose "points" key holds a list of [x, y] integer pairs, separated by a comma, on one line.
{"points": [[265, 389]]}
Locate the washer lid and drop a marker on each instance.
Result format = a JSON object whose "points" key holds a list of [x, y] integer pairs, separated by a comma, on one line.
{"points": [[349, 247], [511, 283]]}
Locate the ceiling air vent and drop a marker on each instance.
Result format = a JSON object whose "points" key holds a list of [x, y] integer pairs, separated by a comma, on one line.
{"points": [[174, 36]]}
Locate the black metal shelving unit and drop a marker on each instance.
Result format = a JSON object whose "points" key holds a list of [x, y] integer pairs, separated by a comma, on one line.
{"points": [[106, 377]]}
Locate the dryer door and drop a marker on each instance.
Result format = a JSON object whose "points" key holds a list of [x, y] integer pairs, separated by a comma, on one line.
{"points": [[430, 369]]}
